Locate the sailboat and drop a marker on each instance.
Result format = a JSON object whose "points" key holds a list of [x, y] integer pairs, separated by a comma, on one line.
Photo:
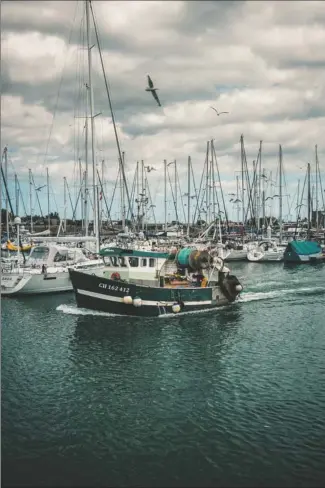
{"points": [[306, 251]]}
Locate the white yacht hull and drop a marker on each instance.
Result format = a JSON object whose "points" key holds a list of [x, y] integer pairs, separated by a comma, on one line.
{"points": [[35, 283], [265, 256]]}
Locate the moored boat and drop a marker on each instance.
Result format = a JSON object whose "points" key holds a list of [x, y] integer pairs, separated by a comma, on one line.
{"points": [[303, 252], [141, 283]]}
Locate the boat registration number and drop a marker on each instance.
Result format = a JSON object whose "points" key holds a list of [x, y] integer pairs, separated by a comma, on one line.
{"points": [[113, 287]]}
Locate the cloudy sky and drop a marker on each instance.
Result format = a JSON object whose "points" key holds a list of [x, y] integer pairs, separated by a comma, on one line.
{"points": [[261, 61]]}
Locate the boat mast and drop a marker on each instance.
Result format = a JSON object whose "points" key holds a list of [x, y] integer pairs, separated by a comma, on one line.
{"points": [[316, 158], [237, 197], [92, 127], [17, 195], [65, 204], [165, 192], [188, 195], [30, 200], [176, 193], [242, 181], [309, 200], [81, 196], [5, 151], [259, 187], [122, 191], [280, 199], [86, 219], [48, 198]]}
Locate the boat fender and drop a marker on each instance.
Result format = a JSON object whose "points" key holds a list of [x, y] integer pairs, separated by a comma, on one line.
{"points": [[137, 302], [127, 300], [176, 307], [239, 288], [115, 276]]}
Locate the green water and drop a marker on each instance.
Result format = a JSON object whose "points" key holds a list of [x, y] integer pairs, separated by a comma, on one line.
{"points": [[235, 397]]}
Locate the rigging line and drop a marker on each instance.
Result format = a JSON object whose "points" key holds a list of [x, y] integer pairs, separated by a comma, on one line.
{"points": [[115, 186], [111, 109], [198, 207], [105, 201], [59, 90], [181, 193], [195, 191], [222, 195], [173, 197]]}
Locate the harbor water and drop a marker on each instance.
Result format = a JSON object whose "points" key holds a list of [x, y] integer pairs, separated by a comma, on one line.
{"points": [[233, 397]]}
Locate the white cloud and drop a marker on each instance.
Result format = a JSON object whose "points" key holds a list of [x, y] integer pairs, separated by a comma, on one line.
{"points": [[258, 61]]}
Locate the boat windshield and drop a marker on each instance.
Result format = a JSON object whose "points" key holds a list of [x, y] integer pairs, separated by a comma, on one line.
{"points": [[39, 253]]}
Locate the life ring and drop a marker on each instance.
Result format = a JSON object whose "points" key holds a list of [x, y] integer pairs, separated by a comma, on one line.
{"points": [[115, 276]]}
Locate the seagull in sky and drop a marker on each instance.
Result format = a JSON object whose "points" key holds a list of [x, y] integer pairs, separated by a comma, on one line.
{"points": [[40, 187], [152, 89], [148, 168], [218, 113], [301, 205], [268, 198], [232, 194]]}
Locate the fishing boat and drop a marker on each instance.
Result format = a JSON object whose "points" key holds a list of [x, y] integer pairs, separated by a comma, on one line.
{"points": [[45, 270], [150, 284], [303, 252]]}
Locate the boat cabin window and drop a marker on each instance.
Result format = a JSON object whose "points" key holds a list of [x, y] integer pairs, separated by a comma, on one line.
{"points": [[134, 262], [40, 253], [152, 262], [114, 261], [60, 256], [107, 261], [121, 261], [143, 262], [71, 255]]}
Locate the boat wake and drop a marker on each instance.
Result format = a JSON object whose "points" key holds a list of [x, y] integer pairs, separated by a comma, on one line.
{"points": [[252, 296], [74, 310]]}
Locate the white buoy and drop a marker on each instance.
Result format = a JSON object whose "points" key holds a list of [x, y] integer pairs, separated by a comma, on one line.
{"points": [[137, 302], [239, 288], [176, 307], [128, 300]]}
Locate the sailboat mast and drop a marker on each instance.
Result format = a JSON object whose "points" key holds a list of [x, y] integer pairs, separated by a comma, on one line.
{"points": [[188, 195], [30, 200], [123, 192], [309, 201], [48, 198], [237, 197], [86, 213], [165, 193], [65, 204], [242, 180], [17, 195], [142, 195], [280, 199], [81, 196], [316, 158], [92, 126], [7, 200]]}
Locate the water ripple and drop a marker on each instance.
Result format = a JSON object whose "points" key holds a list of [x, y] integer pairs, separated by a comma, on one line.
{"points": [[231, 398]]}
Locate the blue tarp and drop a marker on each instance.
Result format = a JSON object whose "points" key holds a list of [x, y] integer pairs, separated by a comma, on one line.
{"points": [[304, 248]]}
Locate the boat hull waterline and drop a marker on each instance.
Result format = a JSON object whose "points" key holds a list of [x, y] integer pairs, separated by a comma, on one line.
{"points": [[122, 298]]}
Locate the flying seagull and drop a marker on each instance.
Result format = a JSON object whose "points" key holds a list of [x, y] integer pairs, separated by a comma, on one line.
{"points": [[218, 113], [148, 168], [40, 187], [269, 198], [150, 88]]}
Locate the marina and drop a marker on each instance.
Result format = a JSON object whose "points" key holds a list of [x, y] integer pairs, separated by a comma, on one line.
{"points": [[162, 249]]}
